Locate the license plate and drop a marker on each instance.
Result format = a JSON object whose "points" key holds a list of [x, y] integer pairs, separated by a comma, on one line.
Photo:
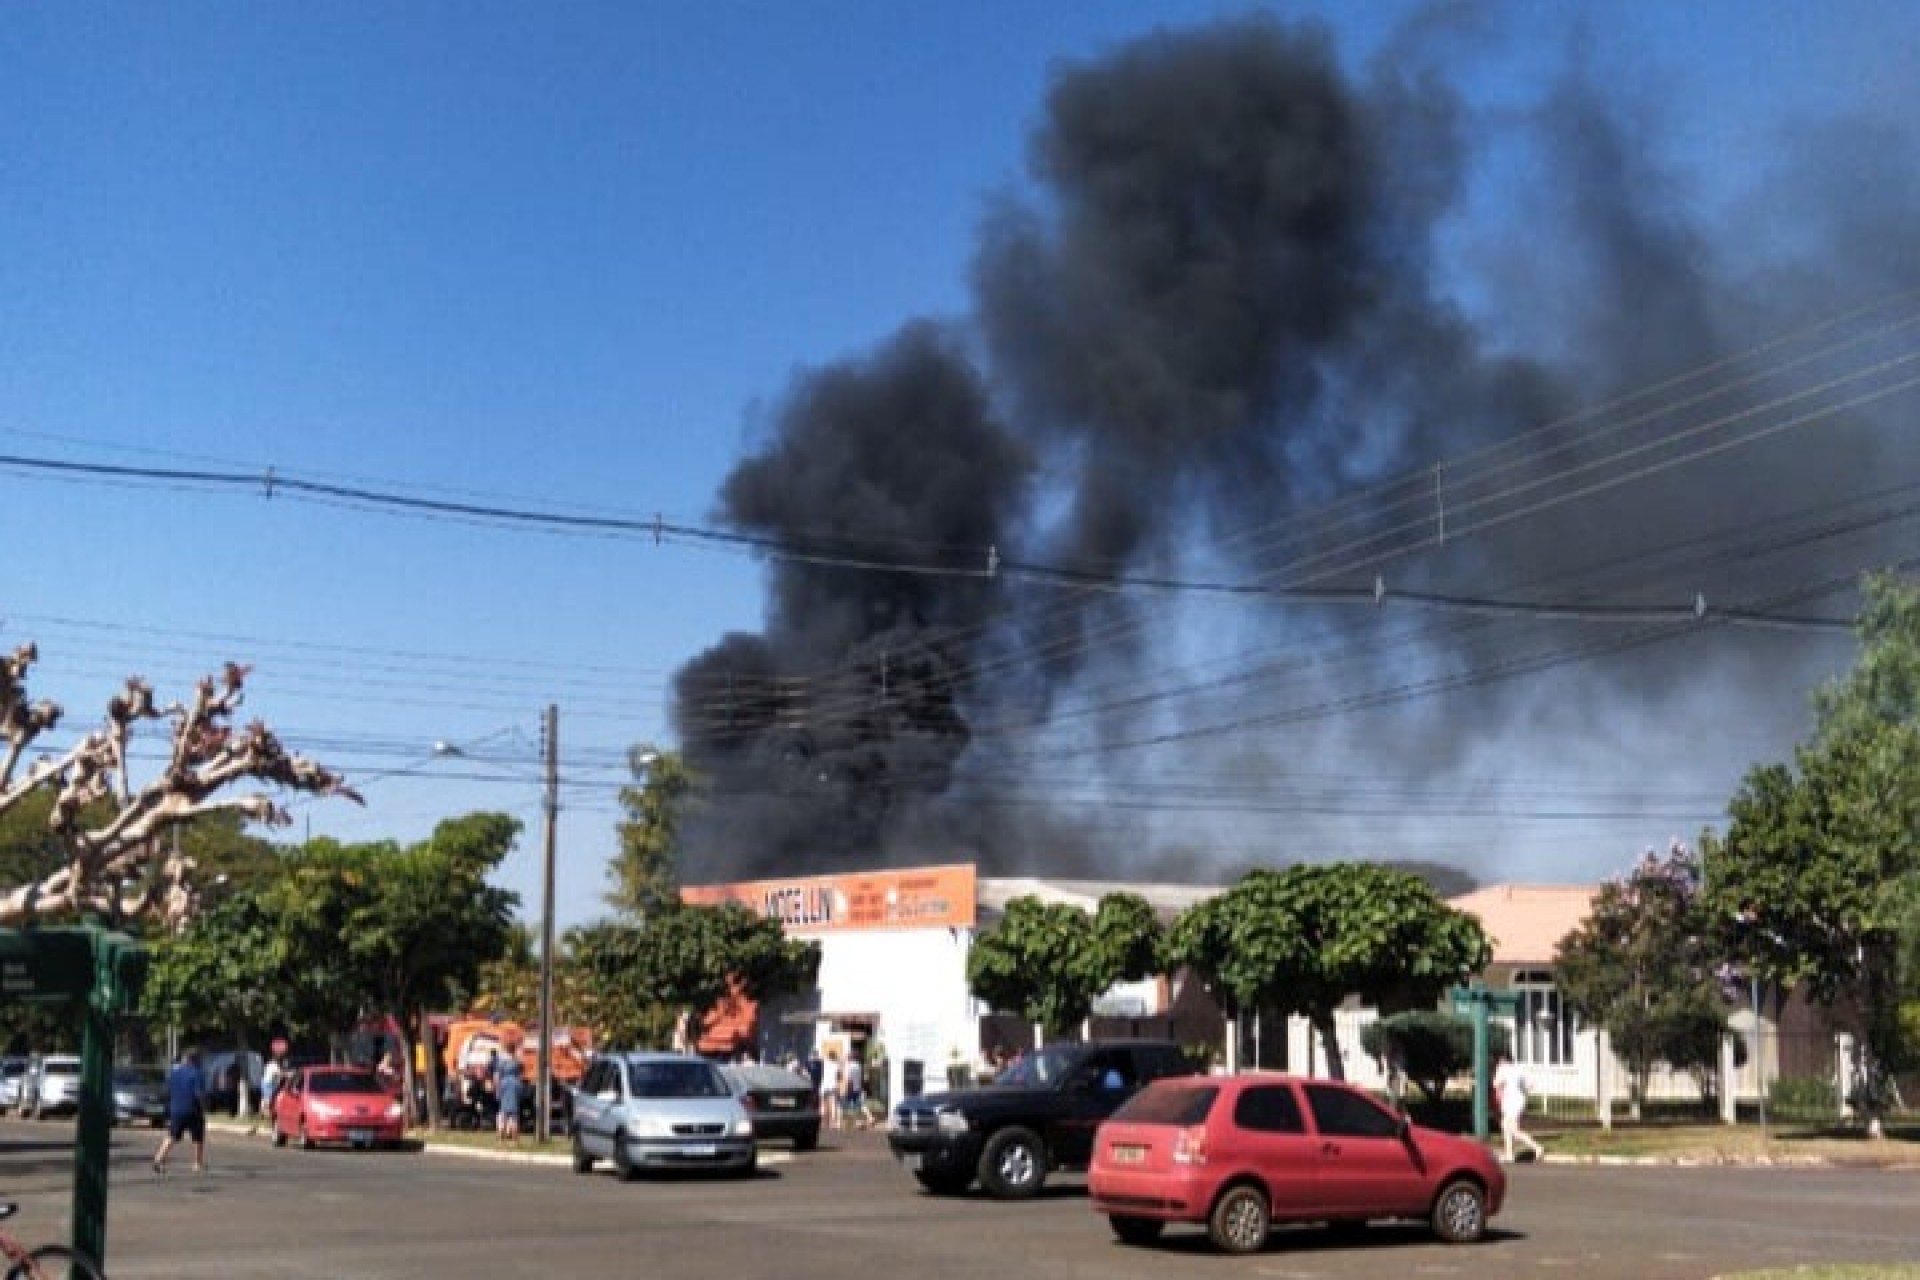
{"points": [[701, 1149], [782, 1104], [912, 1163], [1123, 1153], [359, 1135]]}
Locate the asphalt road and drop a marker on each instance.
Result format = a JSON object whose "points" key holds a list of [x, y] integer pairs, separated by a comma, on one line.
{"points": [[846, 1213]]}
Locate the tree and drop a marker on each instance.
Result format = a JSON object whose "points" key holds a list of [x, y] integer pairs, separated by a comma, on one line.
{"points": [[1643, 964], [1432, 1047], [1810, 881], [109, 830], [1304, 939], [688, 958], [644, 869], [432, 922], [225, 973], [1049, 961]]}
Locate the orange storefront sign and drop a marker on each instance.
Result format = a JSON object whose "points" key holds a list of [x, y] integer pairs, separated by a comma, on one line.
{"points": [[911, 898]]}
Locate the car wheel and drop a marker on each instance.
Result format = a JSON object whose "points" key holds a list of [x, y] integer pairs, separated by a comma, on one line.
{"points": [[1239, 1221], [1460, 1212], [279, 1134], [1135, 1230], [1014, 1165], [943, 1184], [806, 1141], [622, 1158], [582, 1162]]}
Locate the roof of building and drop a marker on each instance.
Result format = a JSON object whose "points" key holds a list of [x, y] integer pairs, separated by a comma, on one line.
{"points": [[1527, 921]]}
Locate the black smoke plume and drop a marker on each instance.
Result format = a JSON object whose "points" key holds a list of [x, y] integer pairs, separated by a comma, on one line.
{"points": [[1250, 324]]}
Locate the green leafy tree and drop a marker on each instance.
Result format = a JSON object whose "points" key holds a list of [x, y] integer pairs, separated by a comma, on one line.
{"points": [[1810, 881], [689, 958], [224, 974], [325, 983], [1049, 961], [1304, 939], [1432, 1047], [644, 869], [431, 923], [1644, 965]]}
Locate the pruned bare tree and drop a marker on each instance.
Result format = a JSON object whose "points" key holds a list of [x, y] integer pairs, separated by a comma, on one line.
{"points": [[111, 828]]}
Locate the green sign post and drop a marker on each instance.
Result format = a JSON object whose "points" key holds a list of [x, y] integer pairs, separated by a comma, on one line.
{"points": [[103, 972], [1481, 1001]]}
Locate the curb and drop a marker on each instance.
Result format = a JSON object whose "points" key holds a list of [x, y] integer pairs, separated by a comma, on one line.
{"points": [[426, 1147]]}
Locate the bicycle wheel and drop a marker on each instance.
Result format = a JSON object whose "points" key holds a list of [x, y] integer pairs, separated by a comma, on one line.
{"points": [[56, 1262]]}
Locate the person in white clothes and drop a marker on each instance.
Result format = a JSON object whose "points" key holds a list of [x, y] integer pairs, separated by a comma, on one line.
{"points": [[1510, 1087], [830, 1088]]}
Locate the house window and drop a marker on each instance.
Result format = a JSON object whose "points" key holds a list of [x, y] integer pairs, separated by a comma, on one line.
{"points": [[1543, 1029]]}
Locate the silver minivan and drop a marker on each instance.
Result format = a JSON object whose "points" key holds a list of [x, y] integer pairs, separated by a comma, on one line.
{"points": [[646, 1111]]}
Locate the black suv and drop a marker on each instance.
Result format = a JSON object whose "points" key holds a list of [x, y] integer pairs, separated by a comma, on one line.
{"points": [[1038, 1116]]}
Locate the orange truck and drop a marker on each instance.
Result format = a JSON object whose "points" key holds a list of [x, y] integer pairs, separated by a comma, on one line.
{"points": [[472, 1042]]}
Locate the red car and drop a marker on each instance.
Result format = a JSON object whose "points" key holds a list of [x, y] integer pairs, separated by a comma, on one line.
{"points": [[1240, 1153], [337, 1104]]}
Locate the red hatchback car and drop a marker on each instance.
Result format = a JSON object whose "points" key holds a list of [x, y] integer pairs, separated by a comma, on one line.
{"points": [[337, 1104], [1239, 1153]]}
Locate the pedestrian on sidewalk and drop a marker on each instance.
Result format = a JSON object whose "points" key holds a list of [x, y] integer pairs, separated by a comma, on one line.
{"points": [[1510, 1085], [186, 1112]]}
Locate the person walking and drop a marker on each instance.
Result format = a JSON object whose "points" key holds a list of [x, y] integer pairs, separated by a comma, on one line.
{"points": [[270, 1080], [1510, 1085], [506, 1085], [830, 1088], [186, 1112], [853, 1094]]}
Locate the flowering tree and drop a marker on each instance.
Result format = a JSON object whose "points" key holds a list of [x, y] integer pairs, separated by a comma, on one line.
{"points": [[109, 828], [1644, 965]]}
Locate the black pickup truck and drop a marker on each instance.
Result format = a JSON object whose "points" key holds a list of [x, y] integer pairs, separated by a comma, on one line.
{"points": [[1038, 1116]]}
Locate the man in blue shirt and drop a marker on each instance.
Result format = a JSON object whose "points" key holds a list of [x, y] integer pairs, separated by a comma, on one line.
{"points": [[186, 1112]]}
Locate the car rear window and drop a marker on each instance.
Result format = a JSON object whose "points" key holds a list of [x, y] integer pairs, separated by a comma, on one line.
{"points": [[1180, 1104], [676, 1080], [60, 1068]]}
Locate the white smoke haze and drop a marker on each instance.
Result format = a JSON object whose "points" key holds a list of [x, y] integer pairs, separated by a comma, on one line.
{"points": [[1246, 323]]}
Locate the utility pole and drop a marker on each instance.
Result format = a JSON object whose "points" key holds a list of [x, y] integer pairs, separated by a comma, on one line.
{"points": [[543, 1121]]}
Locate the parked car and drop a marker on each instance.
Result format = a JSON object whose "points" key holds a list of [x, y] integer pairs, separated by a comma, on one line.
{"points": [[13, 1073], [659, 1111], [1237, 1154], [783, 1105], [337, 1104], [140, 1093], [51, 1086], [1037, 1116]]}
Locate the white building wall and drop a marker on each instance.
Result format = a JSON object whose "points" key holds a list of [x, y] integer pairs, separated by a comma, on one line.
{"points": [[916, 981]]}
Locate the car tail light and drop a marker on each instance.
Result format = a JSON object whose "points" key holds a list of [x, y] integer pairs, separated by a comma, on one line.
{"points": [[746, 1100], [1190, 1146]]}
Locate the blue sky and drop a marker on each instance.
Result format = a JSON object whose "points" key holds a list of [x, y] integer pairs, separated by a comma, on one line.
{"points": [[567, 257]]}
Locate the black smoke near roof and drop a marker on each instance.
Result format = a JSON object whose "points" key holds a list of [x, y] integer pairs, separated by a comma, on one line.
{"points": [[1243, 326]]}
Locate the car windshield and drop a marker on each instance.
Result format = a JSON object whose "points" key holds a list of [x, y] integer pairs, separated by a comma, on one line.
{"points": [[1040, 1069], [675, 1080], [139, 1075], [341, 1082], [1170, 1104]]}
